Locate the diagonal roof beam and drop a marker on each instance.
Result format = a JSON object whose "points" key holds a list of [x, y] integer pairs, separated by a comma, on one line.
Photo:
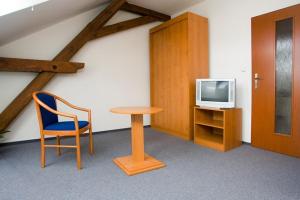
{"points": [[23, 99], [84, 36], [121, 26], [30, 65], [144, 11], [93, 30]]}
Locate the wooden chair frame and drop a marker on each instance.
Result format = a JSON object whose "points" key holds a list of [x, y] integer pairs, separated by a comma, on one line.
{"points": [[77, 132]]}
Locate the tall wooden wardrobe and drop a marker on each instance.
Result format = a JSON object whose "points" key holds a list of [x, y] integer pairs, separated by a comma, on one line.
{"points": [[178, 56]]}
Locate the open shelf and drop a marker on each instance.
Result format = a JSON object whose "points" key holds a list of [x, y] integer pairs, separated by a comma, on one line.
{"points": [[211, 123], [209, 136], [211, 131]]}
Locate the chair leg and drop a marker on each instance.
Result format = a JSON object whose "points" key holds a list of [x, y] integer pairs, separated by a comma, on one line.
{"points": [[91, 143], [58, 143], [42, 151], [78, 151]]}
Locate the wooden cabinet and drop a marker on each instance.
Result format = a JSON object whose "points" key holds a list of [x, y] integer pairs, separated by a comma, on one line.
{"points": [[178, 56], [219, 129]]}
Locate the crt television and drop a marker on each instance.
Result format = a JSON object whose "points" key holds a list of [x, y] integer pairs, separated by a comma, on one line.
{"points": [[217, 93]]}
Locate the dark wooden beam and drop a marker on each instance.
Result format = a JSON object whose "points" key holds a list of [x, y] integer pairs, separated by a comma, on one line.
{"points": [[88, 32], [144, 11], [20, 102], [121, 26], [30, 65]]}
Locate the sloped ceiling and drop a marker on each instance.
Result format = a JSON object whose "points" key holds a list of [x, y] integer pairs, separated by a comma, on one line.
{"points": [[26, 21]]}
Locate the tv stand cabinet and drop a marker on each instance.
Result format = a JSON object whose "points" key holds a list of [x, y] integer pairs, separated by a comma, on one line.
{"points": [[218, 129]]}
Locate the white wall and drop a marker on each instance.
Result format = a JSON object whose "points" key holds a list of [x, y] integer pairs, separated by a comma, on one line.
{"points": [[230, 43], [116, 73], [117, 66]]}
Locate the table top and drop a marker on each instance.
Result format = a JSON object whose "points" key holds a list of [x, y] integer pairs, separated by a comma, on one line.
{"points": [[136, 110]]}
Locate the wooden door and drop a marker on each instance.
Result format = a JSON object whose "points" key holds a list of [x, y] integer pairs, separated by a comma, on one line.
{"points": [[169, 79], [276, 81]]}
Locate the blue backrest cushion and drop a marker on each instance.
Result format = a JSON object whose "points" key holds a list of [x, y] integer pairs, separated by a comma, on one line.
{"points": [[48, 117]]}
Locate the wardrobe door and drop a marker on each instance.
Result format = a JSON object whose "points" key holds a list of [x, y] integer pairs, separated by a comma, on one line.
{"points": [[169, 78]]}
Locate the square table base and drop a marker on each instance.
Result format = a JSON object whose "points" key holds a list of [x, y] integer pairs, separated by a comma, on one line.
{"points": [[131, 167]]}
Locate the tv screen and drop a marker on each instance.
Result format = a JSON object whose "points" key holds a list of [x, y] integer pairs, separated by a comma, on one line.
{"points": [[216, 91]]}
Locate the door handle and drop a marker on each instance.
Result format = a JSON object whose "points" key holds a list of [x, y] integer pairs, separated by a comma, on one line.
{"points": [[256, 79]]}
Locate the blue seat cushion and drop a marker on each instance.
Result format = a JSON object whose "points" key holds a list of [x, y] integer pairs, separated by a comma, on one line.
{"points": [[66, 126]]}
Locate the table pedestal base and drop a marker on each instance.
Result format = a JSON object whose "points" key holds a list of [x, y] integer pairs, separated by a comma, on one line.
{"points": [[131, 167]]}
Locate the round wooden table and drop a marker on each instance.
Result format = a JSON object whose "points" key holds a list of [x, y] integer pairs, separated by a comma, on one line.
{"points": [[138, 161]]}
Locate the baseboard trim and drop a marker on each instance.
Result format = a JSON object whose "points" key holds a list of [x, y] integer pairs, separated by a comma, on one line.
{"points": [[248, 143], [52, 138]]}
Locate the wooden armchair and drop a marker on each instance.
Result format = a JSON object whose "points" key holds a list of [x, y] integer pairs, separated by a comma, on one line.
{"points": [[47, 114]]}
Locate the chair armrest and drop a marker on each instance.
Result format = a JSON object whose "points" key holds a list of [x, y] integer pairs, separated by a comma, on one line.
{"points": [[55, 111], [76, 107], [71, 105]]}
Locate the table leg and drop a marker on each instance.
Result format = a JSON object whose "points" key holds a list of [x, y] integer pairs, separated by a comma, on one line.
{"points": [[138, 161], [137, 138]]}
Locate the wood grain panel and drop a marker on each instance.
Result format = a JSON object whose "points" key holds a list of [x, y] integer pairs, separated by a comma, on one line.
{"points": [[169, 77], [198, 57], [176, 61], [232, 128]]}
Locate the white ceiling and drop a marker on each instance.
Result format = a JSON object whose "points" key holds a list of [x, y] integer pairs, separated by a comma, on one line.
{"points": [[21, 23], [15, 5]]}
